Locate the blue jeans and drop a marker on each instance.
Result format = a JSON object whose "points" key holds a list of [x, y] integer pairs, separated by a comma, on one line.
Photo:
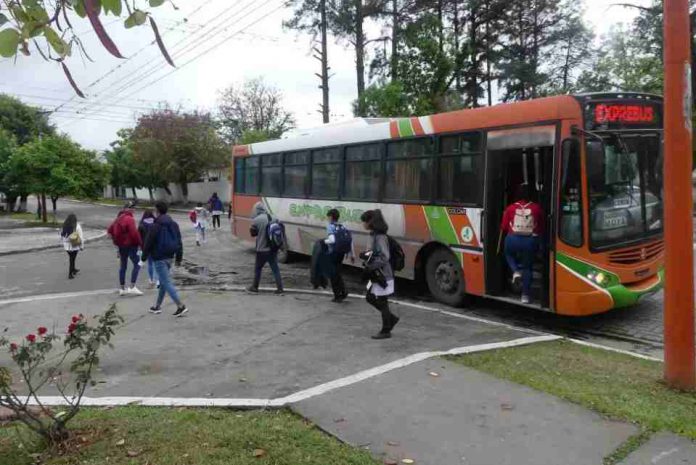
{"points": [[124, 254], [163, 270], [151, 269], [519, 253], [261, 259]]}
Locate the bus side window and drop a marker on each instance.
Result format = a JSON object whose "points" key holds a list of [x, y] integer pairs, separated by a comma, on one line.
{"points": [[460, 173], [239, 175], [251, 175], [570, 211], [296, 177], [409, 170]]}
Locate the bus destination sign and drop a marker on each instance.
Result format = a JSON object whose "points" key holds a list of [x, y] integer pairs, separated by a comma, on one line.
{"points": [[622, 115]]}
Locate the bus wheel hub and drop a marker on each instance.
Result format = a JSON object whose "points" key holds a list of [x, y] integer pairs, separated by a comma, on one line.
{"points": [[446, 277]]}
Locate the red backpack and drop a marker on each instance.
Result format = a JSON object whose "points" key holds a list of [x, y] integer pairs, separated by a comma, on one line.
{"points": [[119, 230]]}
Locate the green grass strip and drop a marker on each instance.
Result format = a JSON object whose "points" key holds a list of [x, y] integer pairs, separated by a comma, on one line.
{"points": [[630, 445]]}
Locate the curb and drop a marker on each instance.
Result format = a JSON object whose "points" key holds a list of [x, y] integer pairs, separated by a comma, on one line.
{"points": [[137, 207], [48, 247]]}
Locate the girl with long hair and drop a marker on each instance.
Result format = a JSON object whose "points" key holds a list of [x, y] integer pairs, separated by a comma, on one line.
{"points": [[73, 242]]}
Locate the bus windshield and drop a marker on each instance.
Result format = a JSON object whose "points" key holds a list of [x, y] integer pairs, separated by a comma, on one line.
{"points": [[624, 173]]}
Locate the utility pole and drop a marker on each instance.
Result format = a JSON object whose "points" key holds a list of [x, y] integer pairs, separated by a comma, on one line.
{"points": [[680, 364], [323, 57]]}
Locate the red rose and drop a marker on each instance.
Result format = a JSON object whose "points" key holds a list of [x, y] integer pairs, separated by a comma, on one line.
{"points": [[13, 347], [71, 328], [42, 331], [31, 338], [75, 318]]}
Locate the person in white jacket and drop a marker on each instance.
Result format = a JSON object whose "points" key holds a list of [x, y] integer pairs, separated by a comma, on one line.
{"points": [[73, 242], [200, 217]]}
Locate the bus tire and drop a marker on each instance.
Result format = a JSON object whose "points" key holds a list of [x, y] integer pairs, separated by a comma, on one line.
{"points": [[445, 277]]}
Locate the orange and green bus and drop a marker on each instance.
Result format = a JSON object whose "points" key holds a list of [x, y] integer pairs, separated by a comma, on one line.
{"points": [[593, 162]]}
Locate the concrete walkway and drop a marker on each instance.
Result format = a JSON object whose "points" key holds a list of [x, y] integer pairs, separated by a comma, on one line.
{"points": [[19, 240]]}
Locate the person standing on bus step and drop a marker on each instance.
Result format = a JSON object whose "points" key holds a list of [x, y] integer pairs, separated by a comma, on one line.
{"points": [[146, 223], [379, 270], [217, 209], [125, 236], [265, 252], [73, 242], [523, 222], [162, 245], [339, 242]]}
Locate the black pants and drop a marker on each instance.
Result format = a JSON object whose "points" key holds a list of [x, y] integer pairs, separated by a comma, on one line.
{"points": [[72, 256], [216, 220], [272, 259], [381, 303], [337, 284]]}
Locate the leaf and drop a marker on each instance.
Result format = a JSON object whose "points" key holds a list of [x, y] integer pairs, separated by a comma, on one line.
{"points": [[160, 43], [58, 44], [9, 40], [79, 7], [132, 453], [93, 14], [114, 6], [137, 18], [156, 3], [258, 453], [120, 442], [71, 80]]}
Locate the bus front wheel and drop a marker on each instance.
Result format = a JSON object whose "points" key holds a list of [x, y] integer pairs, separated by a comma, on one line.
{"points": [[445, 279]]}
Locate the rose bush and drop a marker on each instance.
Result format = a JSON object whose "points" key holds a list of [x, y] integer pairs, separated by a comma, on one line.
{"points": [[69, 371]]}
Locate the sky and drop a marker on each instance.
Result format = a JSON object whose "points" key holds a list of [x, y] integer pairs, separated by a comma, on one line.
{"points": [[215, 44]]}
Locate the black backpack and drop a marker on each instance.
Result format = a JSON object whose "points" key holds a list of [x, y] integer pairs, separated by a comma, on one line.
{"points": [[397, 258], [344, 240], [168, 240]]}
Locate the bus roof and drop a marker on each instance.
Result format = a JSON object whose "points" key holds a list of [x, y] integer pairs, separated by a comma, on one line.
{"points": [[366, 130]]}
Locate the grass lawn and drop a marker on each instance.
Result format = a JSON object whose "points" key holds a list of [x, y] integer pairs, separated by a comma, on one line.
{"points": [[615, 385], [160, 436]]}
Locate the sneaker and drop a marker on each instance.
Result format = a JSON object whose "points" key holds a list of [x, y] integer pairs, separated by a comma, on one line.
{"points": [[122, 292], [180, 311], [155, 310], [525, 299], [252, 290], [279, 292], [76, 271], [381, 335], [516, 277], [134, 291]]}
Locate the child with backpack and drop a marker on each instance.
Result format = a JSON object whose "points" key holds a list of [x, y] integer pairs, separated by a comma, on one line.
{"points": [[523, 222], [379, 263], [270, 238], [163, 244], [340, 243], [199, 217], [73, 242]]}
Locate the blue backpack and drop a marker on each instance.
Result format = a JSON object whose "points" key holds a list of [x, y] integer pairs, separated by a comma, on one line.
{"points": [[275, 231], [344, 240], [168, 240]]}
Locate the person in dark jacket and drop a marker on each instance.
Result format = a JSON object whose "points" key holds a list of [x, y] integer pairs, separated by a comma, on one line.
{"points": [[336, 257], [216, 208], [146, 223], [264, 252], [163, 243], [378, 269], [125, 235]]}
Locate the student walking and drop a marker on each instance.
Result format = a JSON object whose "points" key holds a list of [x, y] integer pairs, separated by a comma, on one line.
{"points": [[73, 242], [124, 233], [266, 252], [146, 223], [340, 243], [216, 208], [523, 222], [162, 245], [379, 270], [199, 217]]}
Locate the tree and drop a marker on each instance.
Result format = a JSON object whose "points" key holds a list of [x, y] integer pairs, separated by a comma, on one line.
{"points": [[385, 100], [47, 25], [24, 121], [54, 167], [253, 106], [180, 146], [7, 147]]}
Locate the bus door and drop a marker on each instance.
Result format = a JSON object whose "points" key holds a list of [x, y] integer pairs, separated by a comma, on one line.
{"points": [[517, 156]]}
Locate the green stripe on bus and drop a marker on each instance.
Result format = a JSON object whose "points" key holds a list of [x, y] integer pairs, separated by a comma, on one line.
{"points": [[440, 225], [405, 129]]}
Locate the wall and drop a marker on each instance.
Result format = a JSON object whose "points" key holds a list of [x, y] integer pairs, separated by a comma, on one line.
{"points": [[198, 192]]}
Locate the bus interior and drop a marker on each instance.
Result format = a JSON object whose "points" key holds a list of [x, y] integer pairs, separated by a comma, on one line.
{"points": [[508, 166]]}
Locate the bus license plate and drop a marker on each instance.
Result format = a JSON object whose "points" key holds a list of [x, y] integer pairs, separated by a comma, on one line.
{"points": [[615, 220]]}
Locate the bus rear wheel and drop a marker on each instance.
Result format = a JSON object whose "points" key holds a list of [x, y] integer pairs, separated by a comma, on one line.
{"points": [[445, 279]]}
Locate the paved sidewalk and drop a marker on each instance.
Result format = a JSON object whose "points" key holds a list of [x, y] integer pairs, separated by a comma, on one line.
{"points": [[19, 240]]}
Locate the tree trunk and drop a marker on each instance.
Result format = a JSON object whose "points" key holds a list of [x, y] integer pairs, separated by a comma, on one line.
{"points": [[152, 196], [167, 190], [184, 192], [457, 51], [360, 55], [44, 213], [440, 29], [135, 195], [566, 67], [473, 77], [394, 41], [23, 203], [54, 204], [535, 53], [324, 66], [489, 84], [11, 203]]}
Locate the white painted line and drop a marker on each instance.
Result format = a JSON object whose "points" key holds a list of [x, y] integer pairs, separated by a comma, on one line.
{"points": [[298, 396], [618, 351], [64, 295]]}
